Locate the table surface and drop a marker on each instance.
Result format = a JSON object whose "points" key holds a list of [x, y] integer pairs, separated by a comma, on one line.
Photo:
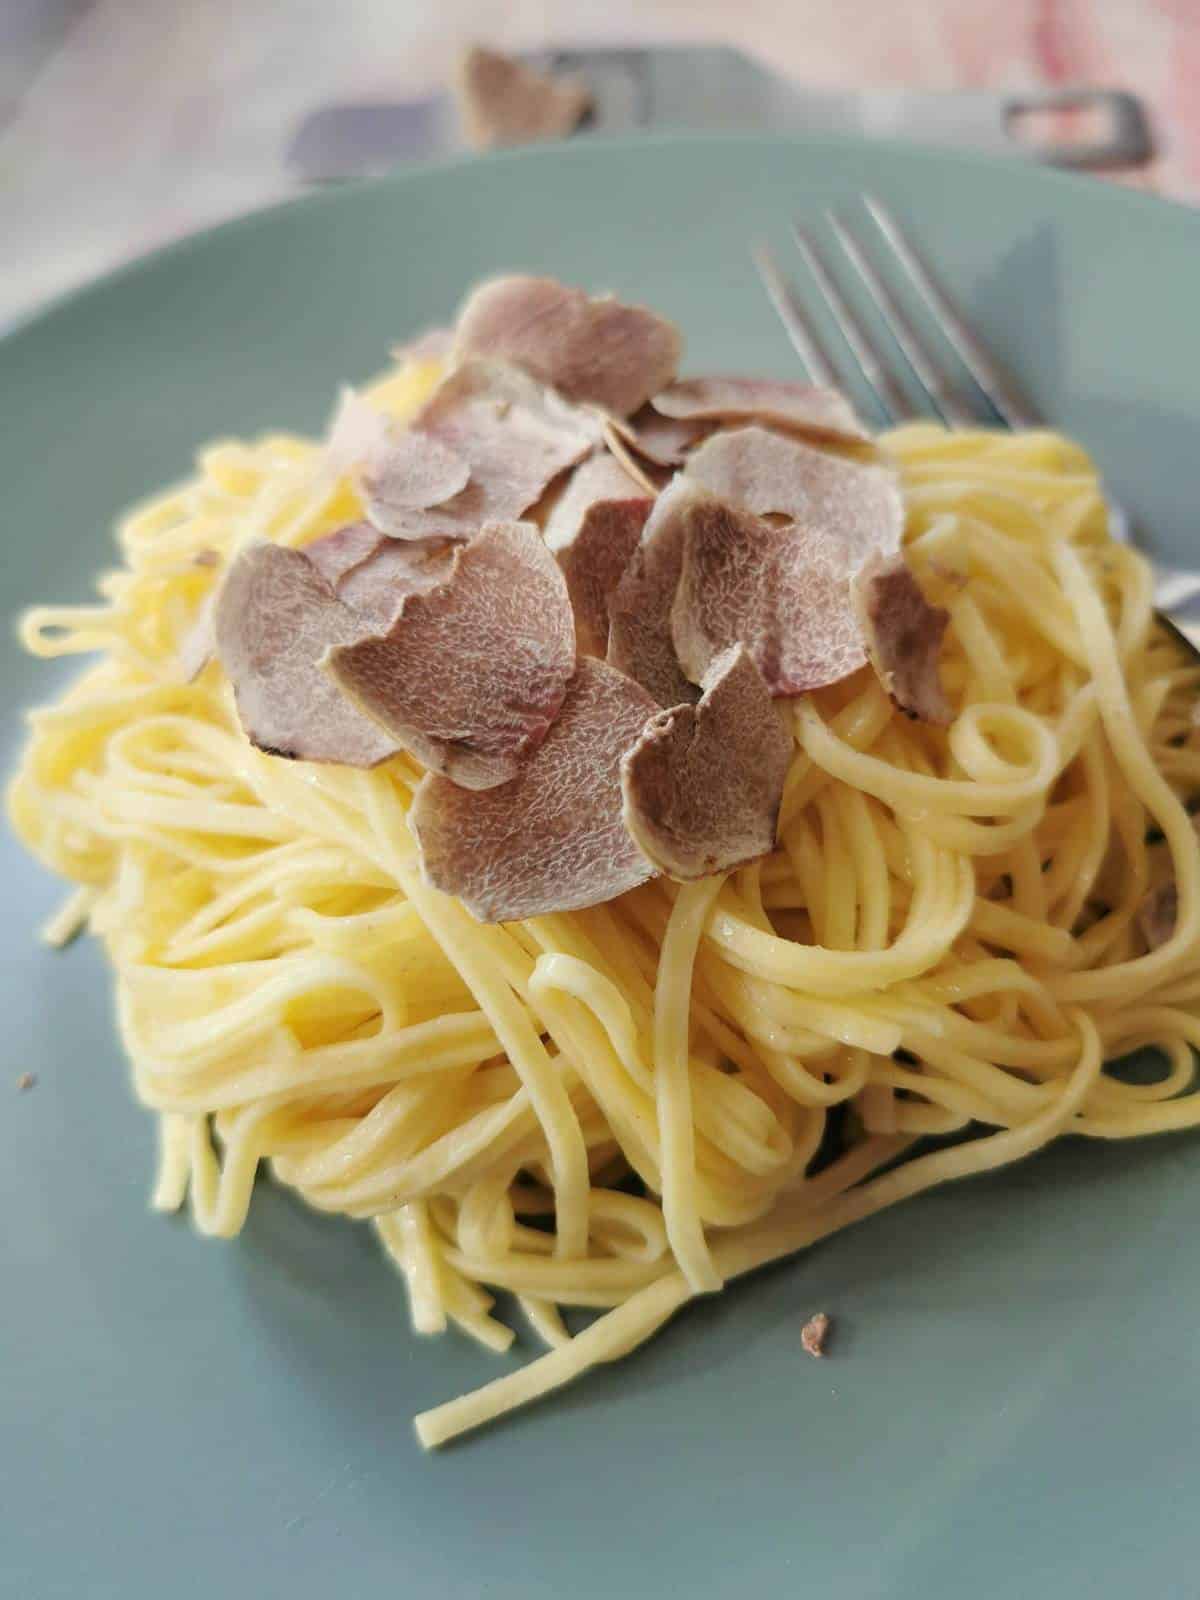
{"points": [[125, 124]]}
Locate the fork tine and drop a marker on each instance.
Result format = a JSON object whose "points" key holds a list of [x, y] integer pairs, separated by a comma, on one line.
{"points": [[975, 358], [895, 403], [944, 400], [817, 364]]}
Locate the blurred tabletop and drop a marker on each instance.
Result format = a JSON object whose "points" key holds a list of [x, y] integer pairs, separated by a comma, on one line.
{"points": [[128, 123]]}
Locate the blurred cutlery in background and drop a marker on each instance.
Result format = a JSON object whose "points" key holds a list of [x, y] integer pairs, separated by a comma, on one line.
{"points": [[714, 88]]}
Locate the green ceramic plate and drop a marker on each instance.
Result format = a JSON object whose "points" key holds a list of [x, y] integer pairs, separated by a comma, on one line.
{"points": [[1012, 1411]]}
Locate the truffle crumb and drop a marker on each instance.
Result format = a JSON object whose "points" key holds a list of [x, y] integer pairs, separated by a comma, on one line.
{"points": [[814, 1333]]}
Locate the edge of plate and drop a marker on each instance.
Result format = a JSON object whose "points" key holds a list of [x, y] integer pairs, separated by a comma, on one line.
{"points": [[933, 155]]}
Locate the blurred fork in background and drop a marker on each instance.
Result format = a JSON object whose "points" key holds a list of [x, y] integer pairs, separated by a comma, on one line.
{"points": [[987, 399]]}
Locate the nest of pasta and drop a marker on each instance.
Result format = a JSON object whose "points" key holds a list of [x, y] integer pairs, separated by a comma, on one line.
{"points": [[619, 1105]]}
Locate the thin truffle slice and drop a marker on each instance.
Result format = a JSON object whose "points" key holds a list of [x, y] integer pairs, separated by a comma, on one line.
{"points": [[855, 505], [409, 471], [553, 838], [504, 102], [376, 588], [337, 553], [432, 344], [650, 477], [355, 431], [776, 589], [594, 564], [598, 352], [275, 618], [472, 673], [823, 413], [639, 613], [600, 477], [514, 434], [903, 633], [372, 574], [593, 531], [663, 440], [703, 785]]}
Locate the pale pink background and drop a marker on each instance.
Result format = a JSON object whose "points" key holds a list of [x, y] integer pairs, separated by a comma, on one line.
{"points": [[141, 120]]}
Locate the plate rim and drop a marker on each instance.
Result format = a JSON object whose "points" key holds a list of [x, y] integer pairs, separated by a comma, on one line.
{"points": [[1068, 180]]}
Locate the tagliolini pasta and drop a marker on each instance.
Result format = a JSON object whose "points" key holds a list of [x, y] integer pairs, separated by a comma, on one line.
{"points": [[621, 1107]]}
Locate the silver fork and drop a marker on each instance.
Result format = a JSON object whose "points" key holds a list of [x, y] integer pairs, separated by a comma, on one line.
{"points": [[1176, 592]]}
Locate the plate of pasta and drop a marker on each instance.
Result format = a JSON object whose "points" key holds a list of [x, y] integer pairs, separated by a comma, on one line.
{"points": [[653, 927]]}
